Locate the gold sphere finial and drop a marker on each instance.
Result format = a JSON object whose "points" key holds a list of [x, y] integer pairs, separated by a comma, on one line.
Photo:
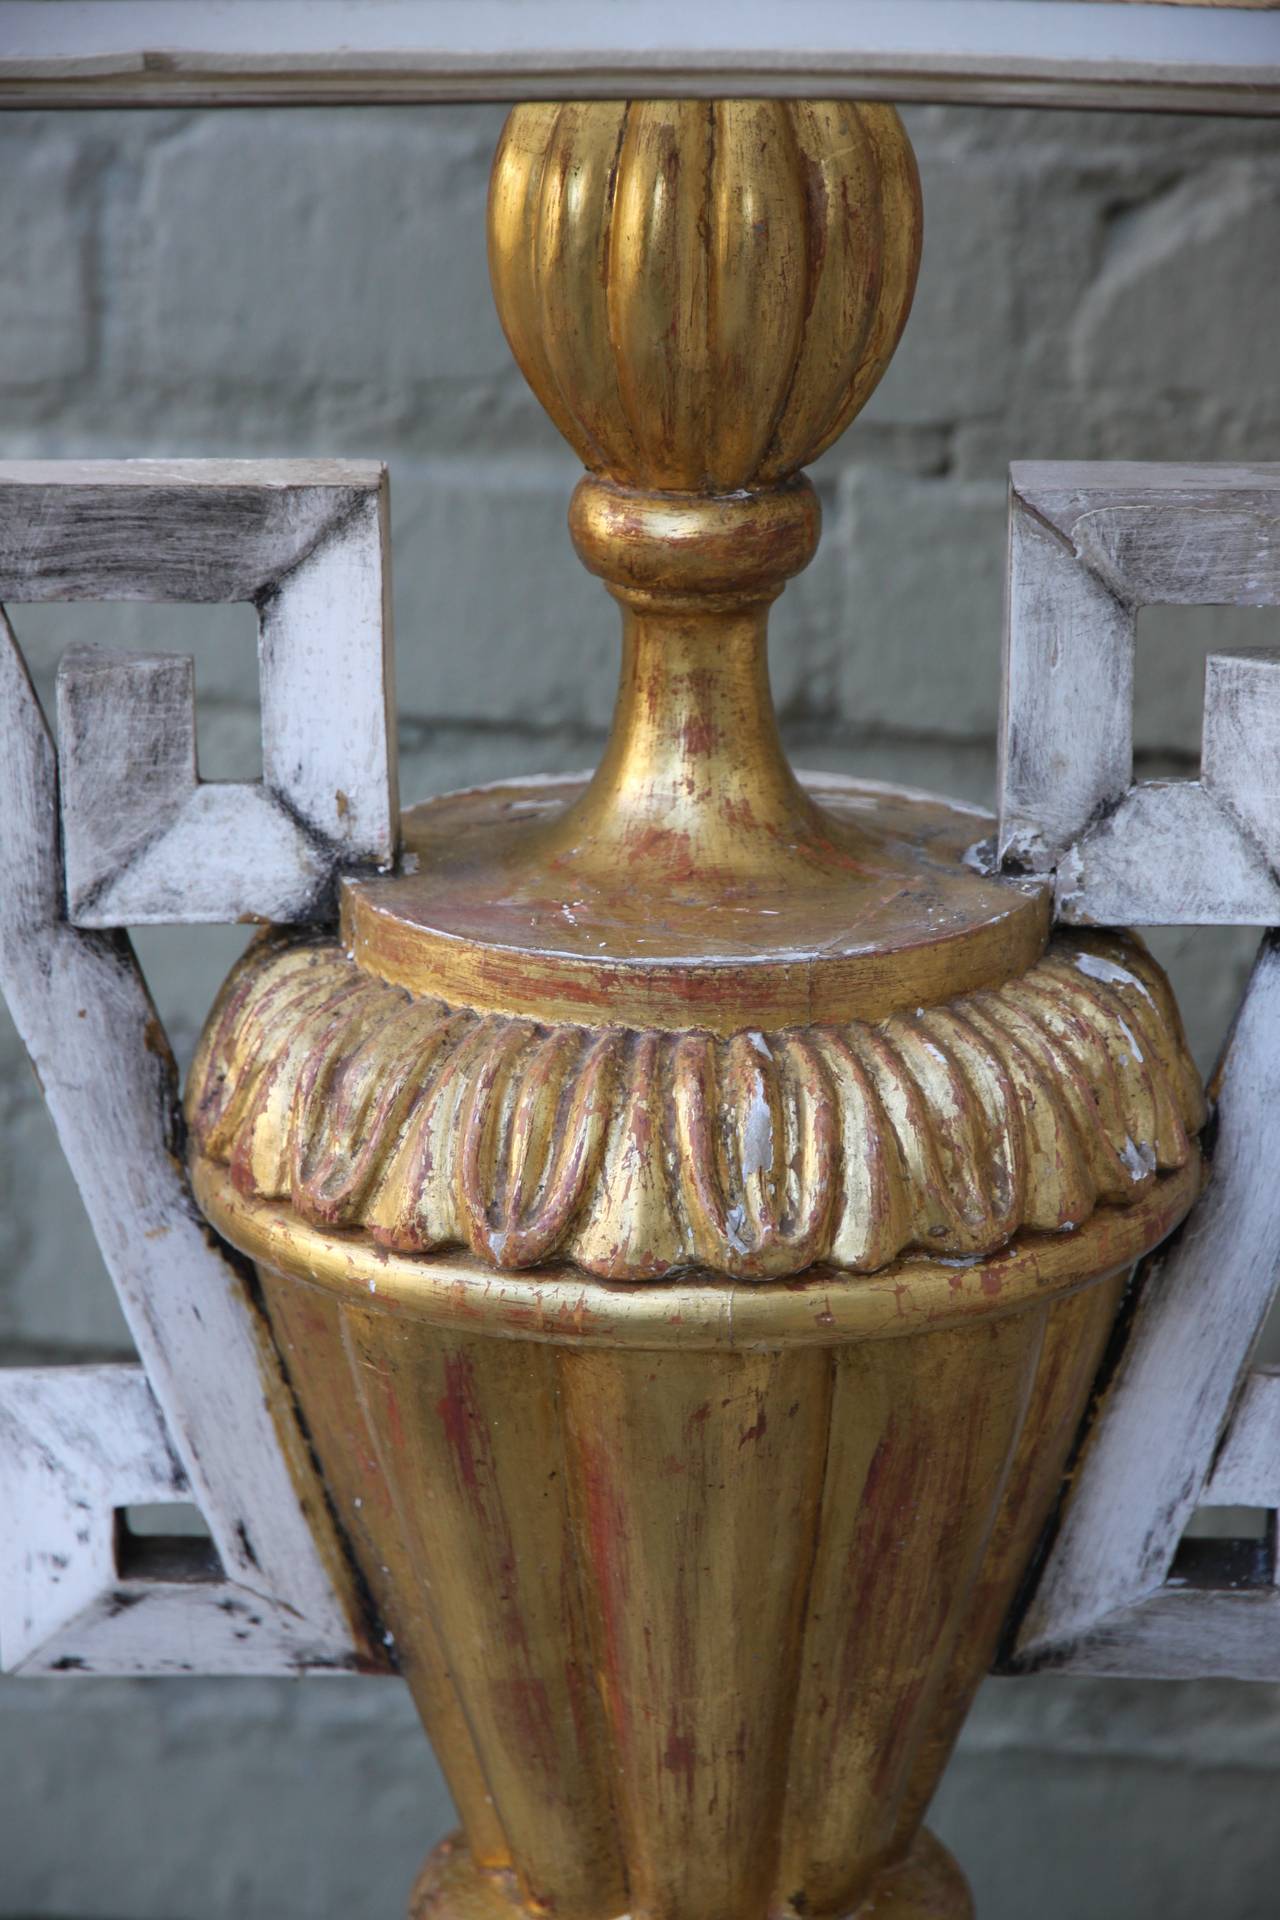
{"points": [[703, 294]]}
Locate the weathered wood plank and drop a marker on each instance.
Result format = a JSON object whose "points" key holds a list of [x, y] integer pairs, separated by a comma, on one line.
{"points": [[1246, 1472], [75, 1443], [1090, 544], [326, 659], [1052, 53], [1066, 717], [88, 1024], [307, 543], [158, 1627], [1167, 854], [1183, 1633], [1159, 533], [167, 530], [1203, 1298], [1240, 755], [145, 840]]}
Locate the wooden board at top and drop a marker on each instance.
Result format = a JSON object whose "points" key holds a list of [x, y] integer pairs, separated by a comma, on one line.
{"points": [[1079, 53]]}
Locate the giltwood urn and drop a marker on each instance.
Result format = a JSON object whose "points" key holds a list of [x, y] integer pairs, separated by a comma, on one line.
{"points": [[692, 1202]]}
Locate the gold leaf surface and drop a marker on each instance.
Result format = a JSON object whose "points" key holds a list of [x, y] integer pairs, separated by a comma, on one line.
{"points": [[637, 1154]]}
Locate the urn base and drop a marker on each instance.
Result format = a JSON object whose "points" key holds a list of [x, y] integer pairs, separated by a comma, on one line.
{"points": [[927, 1885], [693, 1583]]}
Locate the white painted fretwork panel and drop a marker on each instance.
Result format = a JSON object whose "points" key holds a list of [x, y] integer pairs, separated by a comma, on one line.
{"points": [[1182, 1422], [303, 542], [207, 1416]]}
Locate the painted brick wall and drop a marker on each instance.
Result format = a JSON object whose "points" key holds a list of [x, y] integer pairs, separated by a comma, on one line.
{"points": [[290, 283]]}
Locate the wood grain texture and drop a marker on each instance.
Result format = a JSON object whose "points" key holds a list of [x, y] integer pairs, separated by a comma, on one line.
{"points": [[1090, 544], [1152, 1443], [305, 542], [100, 1053], [167, 530], [1214, 1631], [1246, 1469], [1066, 716], [77, 1446], [1062, 53], [1168, 854]]}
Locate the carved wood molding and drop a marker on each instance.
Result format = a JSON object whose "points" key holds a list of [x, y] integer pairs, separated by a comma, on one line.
{"points": [[1090, 545], [634, 1155]]}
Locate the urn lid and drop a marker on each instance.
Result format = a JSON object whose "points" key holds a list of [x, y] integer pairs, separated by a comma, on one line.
{"points": [[703, 295]]}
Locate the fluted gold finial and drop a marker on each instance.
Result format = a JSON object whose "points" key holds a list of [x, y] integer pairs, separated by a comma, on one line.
{"points": [[703, 294]]}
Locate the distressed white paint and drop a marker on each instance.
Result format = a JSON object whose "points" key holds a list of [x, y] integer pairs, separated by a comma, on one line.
{"points": [[1081, 562], [1240, 751], [1221, 1631], [1204, 852], [83, 1012], [77, 1445], [1204, 1297], [328, 698], [1169, 853], [1090, 544], [1066, 717], [1246, 1472], [306, 543], [1050, 52], [145, 840]]}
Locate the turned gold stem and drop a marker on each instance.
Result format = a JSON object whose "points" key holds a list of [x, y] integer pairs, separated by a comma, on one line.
{"points": [[693, 786]]}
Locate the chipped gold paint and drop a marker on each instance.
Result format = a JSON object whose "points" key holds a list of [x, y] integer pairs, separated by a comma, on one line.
{"points": [[693, 1582], [702, 294], [639, 1154], [692, 1202]]}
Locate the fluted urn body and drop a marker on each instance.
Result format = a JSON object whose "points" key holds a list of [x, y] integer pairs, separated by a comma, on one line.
{"points": [[692, 1203]]}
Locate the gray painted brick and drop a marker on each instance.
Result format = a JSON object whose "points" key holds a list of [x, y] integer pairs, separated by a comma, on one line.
{"points": [[275, 1801], [1165, 312], [213, 1800], [923, 609], [495, 618], [953, 355], [269, 253], [55, 1295], [46, 316]]}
